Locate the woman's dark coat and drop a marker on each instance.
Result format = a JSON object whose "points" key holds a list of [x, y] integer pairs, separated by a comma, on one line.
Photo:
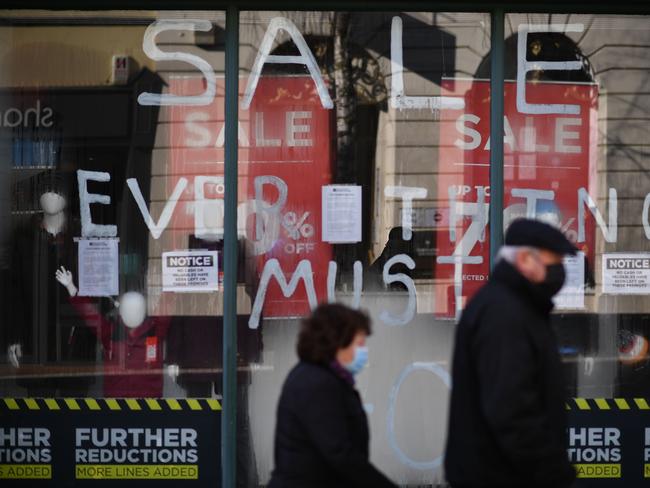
{"points": [[321, 437]]}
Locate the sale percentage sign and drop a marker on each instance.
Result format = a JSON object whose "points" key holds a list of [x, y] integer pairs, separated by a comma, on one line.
{"points": [[297, 226]]}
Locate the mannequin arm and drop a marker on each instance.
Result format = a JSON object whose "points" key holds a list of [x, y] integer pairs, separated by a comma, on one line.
{"points": [[64, 277], [15, 353], [91, 317]]}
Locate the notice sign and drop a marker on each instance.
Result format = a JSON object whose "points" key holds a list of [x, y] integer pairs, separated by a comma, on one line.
{"points": [[626, 274], [190, 271], [572, 294], [341, 213], [98, 267]]}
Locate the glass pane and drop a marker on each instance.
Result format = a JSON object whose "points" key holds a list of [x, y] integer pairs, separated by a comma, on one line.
{"points": [[110, 287], [352, 189], [576, 135]]}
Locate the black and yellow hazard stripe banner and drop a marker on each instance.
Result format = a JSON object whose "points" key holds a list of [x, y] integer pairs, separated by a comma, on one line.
{"points": [[608, 404], [109, 404], [207, 404]]}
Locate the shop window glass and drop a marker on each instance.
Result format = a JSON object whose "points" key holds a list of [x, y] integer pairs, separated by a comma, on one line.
{"points": [[350, 190], [97, 195], [576, 156]]}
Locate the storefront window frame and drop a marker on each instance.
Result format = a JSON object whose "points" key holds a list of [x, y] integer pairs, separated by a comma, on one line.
{"points": [[497, 12]]}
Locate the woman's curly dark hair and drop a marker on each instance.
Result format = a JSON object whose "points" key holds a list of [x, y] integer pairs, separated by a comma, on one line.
{"points": [[329, 328]]}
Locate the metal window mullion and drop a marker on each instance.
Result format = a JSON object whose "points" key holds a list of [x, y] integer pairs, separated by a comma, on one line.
{"points": [[496, 132], [229, 392]]}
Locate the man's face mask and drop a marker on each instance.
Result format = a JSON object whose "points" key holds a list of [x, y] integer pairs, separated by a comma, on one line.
{"points": [[554, 279]]}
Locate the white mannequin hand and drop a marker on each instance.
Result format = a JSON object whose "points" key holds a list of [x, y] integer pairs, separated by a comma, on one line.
{"points": [[172, 371], [15, 353], [64, 277], [589, 365]]}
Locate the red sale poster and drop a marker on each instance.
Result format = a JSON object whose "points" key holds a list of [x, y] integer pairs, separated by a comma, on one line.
{"points": [[284, 160], [547, 159]]}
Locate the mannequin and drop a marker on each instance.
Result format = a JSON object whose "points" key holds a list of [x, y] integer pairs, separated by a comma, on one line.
{"points": [[15, 354], [41, 321], [133, 309], [133, 351], [53, 205]]}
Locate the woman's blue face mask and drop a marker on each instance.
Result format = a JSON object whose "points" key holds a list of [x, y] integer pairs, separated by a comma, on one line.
{"points": [[360, 360]]}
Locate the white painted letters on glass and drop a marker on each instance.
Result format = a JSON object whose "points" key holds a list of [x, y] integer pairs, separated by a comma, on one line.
{"points": [[272, 269], [444, 376], [357, 283], [610, 232], [398, 99], [407, 194], [88, 228], [409, 311], [151, 49], [264, 56], [532, 196], [157, 229], [644, 216], [524, 66]]}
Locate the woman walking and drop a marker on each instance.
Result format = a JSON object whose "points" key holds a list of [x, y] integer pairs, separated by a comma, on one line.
{"points": [[321, 436]]}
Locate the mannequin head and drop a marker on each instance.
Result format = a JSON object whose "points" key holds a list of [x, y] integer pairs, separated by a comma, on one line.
{"points": [[133, 309], [52, 202]]}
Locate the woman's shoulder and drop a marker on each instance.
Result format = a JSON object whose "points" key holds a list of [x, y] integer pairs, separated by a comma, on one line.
{"points": [[311, 376], [310, 386]]}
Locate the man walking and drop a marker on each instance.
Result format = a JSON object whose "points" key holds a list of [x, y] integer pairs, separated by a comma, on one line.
{"points": [[507, 423]]}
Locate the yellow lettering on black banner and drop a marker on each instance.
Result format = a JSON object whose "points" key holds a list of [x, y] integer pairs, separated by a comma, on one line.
{"points": [[646, 471], [137, 471], [26, 471], [598, 470]]}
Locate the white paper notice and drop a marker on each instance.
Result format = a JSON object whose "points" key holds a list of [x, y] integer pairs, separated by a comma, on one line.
{"points": [[341, 213], [626, 274], [572, 294], [190, 271], [98, 267]]}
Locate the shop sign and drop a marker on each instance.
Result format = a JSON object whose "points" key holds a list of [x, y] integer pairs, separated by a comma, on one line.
{"points": [[284, 161], [549, 173], [609, 442], [114, 442]]}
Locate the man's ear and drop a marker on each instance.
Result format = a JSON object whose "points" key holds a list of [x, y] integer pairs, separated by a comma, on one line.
{"points": [[522, 263], [521, 258]]}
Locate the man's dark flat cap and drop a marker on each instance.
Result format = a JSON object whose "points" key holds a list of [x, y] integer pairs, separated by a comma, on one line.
{"points": [[533, 233]]}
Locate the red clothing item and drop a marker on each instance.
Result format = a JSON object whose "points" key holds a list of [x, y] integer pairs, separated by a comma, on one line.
{"points": [[128, 372]]}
